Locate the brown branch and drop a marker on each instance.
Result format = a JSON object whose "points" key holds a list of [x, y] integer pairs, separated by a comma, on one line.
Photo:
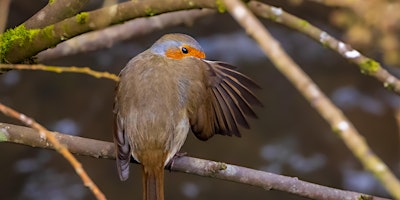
{"points": [[59, 69], [26, 43], [4, 7], [33, 42], [366, 65], [107, 37], [47, 136], [100, 149], [336, 3], [339, 123], [54, 12]]}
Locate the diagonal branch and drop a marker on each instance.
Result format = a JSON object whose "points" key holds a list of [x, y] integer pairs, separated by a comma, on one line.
{"points": [[100, 149], [47, 136], [105, 38], [20, 43], [333, 115], [366, 65], [54, 12]]}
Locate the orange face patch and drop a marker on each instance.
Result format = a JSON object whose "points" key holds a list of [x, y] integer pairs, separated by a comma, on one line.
{"points": [[179, 54]]}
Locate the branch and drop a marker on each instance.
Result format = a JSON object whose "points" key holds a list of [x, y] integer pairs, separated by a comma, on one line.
{"points": [[336, 3], [366, 65], [333, 115], [26, 43], [4, 7], [20, 43], [100, 149], [54, 12], [45, 135], [107, 37], [59, 69]]}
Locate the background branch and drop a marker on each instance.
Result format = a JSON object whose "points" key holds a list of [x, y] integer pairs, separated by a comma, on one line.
{"points": [[100, 149], [366, 65], [31, 42], [54, 12], [333, 115], [47, 136], [26, 43], [105, 38]]}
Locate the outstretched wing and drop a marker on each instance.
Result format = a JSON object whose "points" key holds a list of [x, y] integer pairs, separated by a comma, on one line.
{"points": [[230, 102]]}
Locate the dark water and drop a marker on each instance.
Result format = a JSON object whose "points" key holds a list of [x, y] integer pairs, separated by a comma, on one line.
{"points": [[289, 138]]}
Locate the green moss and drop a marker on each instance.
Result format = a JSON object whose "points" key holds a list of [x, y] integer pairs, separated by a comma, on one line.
{"points": [[336, 130], [369, 66], [3, 137], [48, 31], [325, 44], [389, 86], [220, 6], [16, 36], [191, 4], [149, 12], [82, 17], [304, 24], [364, 197]]}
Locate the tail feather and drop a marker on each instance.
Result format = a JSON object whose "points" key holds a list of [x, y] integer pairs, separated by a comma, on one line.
{"points": [[153, 183]]}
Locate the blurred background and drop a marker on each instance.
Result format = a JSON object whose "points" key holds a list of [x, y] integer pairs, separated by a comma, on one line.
{"points": [[289, 138]]}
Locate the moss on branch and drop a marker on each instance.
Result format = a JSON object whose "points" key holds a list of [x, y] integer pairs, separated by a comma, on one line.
{"points": [[82, 17], [19, 43], [17, 36]]}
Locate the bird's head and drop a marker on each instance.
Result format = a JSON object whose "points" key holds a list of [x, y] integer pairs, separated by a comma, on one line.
{"points": [[178, 46]]}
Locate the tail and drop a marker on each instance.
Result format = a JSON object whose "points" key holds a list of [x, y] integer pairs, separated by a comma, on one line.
{"points": [[153, 183]]}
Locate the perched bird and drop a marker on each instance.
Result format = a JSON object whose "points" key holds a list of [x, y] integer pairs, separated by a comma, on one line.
{"points": [[163, 93]]}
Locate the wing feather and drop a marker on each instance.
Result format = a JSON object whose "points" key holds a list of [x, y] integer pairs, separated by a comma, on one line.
{"points": [[229, 102], [123, 150]]}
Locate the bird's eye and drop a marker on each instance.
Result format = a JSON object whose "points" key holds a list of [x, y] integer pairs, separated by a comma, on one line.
{"points": [[184, 50]]}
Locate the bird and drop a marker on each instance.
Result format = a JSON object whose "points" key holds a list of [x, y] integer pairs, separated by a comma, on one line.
{"points": [[168, 90]]}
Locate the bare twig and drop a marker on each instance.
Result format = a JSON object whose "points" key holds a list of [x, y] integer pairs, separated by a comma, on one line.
{"points": [[367, 65], [45, 136], [339, 123], [59, 69], [54, 12], [4, 7], [101, 149], [107, 37]]}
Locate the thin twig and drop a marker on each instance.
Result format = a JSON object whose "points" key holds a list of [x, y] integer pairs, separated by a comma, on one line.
{"points": [[101, 149], [45, 136], [59, 69], [339, 123], [366, 65]]}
